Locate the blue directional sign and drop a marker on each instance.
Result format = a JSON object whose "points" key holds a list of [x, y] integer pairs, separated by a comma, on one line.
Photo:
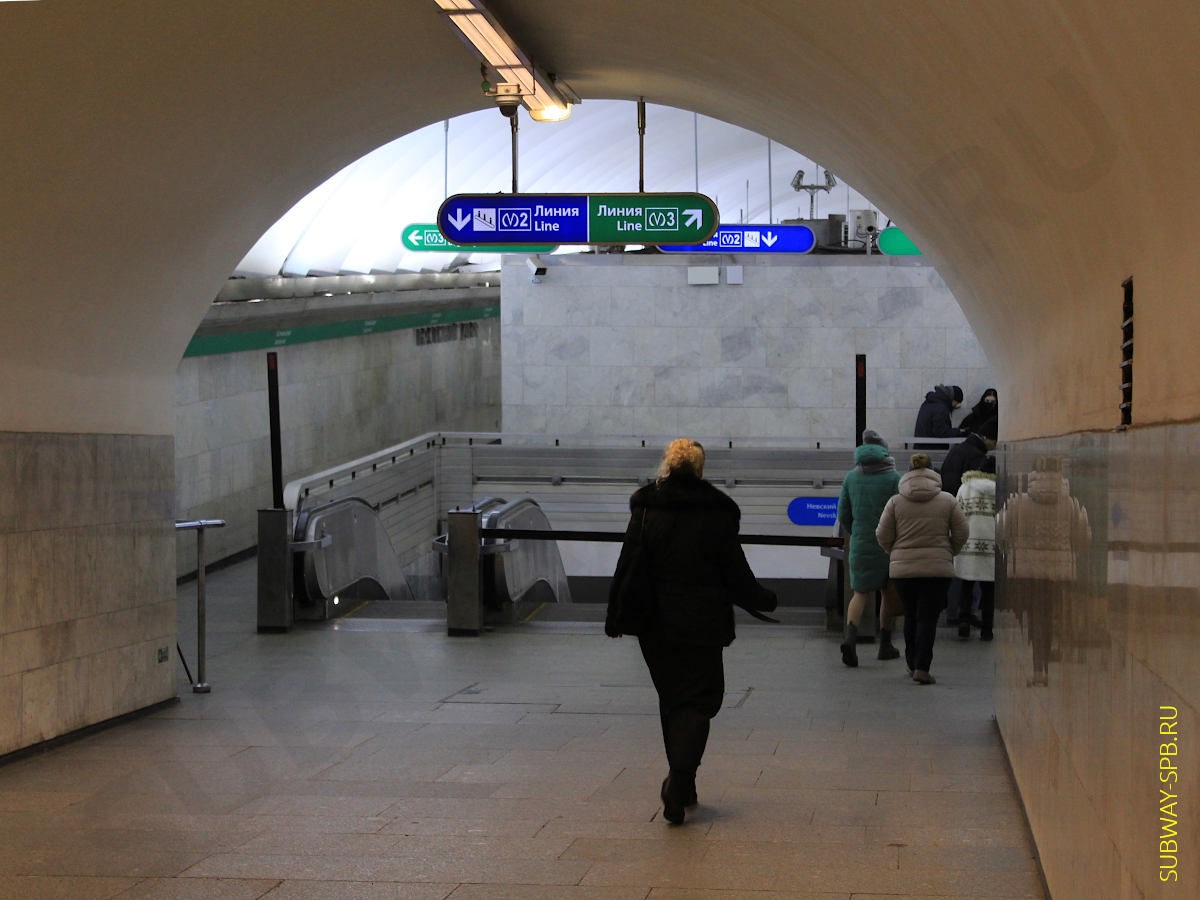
{"points": [[752, 239], [507, 219], [813, 511]]}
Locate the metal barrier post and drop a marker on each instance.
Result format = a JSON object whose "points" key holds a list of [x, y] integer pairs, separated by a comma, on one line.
{"points": [[201, 686], [464, 596], [274, 570]]}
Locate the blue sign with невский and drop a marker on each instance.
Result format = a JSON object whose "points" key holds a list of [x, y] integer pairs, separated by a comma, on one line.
{"points": [[813, 511]]}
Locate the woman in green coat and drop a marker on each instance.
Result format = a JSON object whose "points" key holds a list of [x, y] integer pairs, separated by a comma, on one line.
{"points": [[865, 491]]}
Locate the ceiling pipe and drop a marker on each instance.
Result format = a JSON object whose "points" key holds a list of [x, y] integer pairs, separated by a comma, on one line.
{"points": [[281, 288]]}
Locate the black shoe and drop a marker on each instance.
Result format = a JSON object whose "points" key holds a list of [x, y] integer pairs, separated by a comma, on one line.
{"points": [[672, 806], [964, 631], [986, 634]]}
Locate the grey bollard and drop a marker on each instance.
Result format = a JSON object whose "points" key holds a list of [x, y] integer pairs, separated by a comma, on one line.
{"points": [[274, 569], [464, 595]]}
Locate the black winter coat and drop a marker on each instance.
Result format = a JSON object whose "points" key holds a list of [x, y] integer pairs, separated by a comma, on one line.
{"points": [[696, 562], [962, 457], [933, 418]]}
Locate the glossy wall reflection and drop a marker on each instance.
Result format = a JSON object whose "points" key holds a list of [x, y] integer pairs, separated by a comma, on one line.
{"points": [[1098, 663]]}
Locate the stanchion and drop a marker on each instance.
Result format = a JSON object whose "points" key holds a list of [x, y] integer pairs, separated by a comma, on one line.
{"points": [[200, 686]]}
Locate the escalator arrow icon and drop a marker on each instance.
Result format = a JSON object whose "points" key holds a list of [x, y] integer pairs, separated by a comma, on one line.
{"points": [[769, 239], [459, 219], [693, 218]]}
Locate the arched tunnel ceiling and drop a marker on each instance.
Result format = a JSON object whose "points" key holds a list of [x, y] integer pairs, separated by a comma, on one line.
{"points": [[352, 223], [1038, 151]]}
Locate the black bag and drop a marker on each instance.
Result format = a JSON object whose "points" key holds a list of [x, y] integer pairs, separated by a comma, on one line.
{"points": [[631, 601]]}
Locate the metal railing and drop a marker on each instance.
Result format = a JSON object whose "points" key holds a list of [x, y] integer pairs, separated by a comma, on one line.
{"points": [[468, 542], [199, 686]]}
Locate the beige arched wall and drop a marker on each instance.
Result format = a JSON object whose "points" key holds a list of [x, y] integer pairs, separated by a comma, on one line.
{"points": [[1037, 151]]}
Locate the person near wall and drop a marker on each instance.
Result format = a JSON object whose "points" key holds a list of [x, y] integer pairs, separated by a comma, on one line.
{"points": [[976, 563], [680, 573], [921, 528], [933, 418], [965, 456], [1041, 533], [962, 457], [983, 415], [866, 489]]}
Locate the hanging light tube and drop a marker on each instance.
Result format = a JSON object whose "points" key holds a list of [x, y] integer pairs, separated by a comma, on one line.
{"points": [[545, 99]]}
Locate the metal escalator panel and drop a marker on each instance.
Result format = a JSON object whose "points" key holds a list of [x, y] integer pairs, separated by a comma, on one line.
{"points": [[526, 565], [348, 545]]}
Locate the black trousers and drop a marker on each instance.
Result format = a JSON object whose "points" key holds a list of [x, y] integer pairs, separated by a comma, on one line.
{"points": [[987, 601], [923, 599], [690, 681]]}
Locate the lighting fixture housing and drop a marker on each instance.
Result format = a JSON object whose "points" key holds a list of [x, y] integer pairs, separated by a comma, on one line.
{"points": [[546, 99]]}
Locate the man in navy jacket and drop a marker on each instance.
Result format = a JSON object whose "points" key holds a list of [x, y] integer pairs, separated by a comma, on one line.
{"points": [[933, 418]]}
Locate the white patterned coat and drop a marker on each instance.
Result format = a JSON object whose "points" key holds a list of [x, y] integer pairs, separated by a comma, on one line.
{"points": [[977, 499]]}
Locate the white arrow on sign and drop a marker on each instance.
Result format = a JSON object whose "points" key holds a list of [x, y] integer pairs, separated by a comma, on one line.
{"points": [[769, 239], [693, 217], [416, 237], [459, 219]]}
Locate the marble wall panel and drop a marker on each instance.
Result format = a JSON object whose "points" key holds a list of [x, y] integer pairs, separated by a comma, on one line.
{"points": [[1097, 675], [75, 593], [339, 400], [785, 340]]}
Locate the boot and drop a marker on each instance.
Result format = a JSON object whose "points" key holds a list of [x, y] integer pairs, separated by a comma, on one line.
{"points": [[886, 650], [849, 651], [677, 792]]}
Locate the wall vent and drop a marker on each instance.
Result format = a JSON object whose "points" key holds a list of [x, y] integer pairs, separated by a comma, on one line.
{"points": [[1127, 356]]}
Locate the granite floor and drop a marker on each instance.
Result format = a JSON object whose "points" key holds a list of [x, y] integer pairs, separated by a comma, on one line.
{"points": [[381, 759]]}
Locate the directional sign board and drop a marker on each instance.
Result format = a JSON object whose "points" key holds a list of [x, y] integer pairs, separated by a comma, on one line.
{"points": [[425, 236], [507, 219], [813, 511], [753, 239]]}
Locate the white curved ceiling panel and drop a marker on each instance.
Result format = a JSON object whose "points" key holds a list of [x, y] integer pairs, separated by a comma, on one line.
{"points": [[353, 222]]}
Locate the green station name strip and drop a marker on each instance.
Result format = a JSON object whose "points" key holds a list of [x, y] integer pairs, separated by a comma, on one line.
{"points": [[214, 344]]}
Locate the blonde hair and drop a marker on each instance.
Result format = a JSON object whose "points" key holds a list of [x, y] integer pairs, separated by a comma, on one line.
{"points": [[920, 461], [683, 455]]}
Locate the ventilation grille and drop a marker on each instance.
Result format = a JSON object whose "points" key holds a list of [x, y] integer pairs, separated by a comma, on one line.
{"points": [[1127, 356]]}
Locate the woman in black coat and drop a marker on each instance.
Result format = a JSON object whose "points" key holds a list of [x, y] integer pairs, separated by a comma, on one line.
{"points": [[683, 537], [983, 416]]}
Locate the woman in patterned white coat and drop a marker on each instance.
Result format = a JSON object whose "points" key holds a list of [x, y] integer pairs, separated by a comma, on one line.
{"points": [[976, 562]]}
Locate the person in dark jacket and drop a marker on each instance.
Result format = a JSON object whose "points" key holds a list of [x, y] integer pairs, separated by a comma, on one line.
{"points": [[982, 418], [933, 418], [965, 456], [688, 531]]}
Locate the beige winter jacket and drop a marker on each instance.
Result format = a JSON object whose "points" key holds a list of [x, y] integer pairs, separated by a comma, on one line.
{"points": [[1043, 530], [922, 528]]}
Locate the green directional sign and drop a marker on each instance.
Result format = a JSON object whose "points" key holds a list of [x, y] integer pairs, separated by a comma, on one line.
{"points": [[650, 218], [511, 219], [425, 236], [894, 242]]}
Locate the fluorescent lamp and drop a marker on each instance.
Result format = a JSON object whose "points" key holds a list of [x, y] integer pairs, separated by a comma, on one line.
{"points": [[540, 95]]}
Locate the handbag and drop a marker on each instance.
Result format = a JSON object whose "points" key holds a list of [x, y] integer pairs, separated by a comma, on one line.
{"points": [[631, 601]]}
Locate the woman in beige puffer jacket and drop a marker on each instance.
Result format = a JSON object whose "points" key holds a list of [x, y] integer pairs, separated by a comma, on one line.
{"points": [[922, 528]]}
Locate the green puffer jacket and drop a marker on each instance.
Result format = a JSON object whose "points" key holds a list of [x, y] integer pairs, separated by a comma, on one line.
{"points": [[864, 496]]}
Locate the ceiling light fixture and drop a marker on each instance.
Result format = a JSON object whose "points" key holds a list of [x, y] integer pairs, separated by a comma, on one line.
{"points": [[547, 99]]}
